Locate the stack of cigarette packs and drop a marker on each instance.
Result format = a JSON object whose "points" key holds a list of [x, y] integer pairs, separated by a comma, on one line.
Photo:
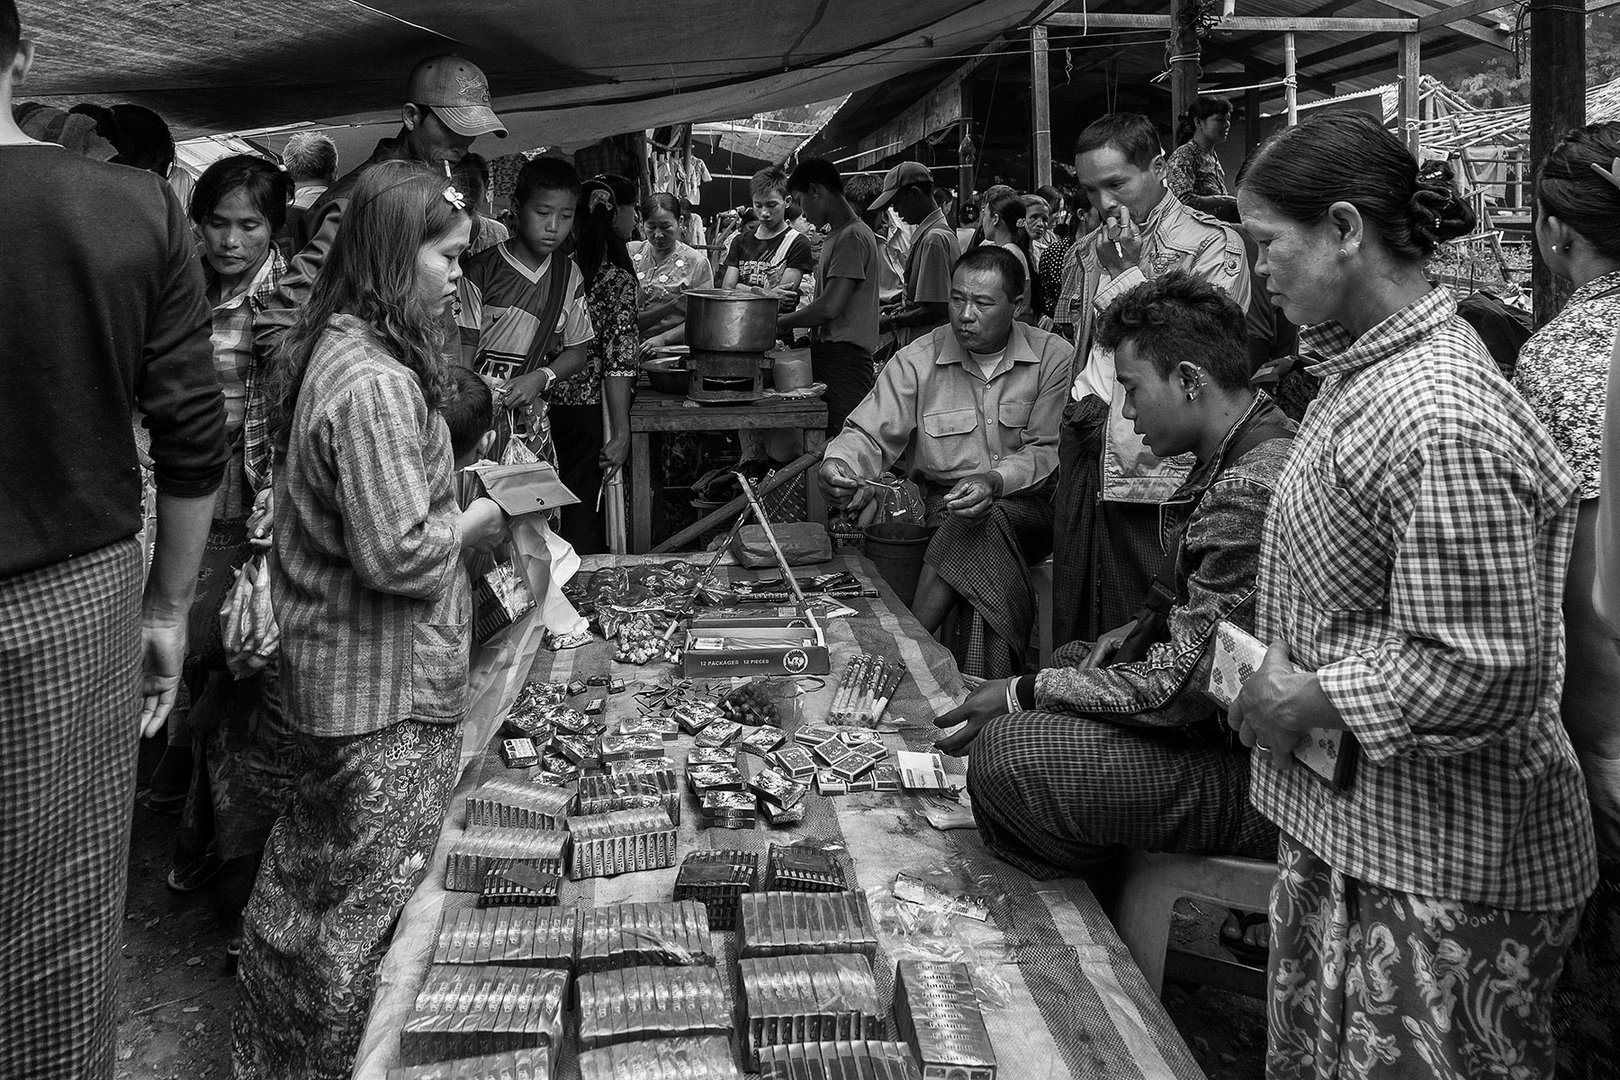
{"points": [[621, 842], [529, 1064], [463, 1011], [629, 786], [728, 810], [802, 868], [807, 999], [866, 1059], [717, 879], [519, 885], [512, 803], [634, 1003], [701, 1057], [789, 923], [516, 937], [483, 848], [937, 1013], [640, 935]]}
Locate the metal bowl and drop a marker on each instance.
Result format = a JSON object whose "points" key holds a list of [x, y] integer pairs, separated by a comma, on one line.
{"points": [[667, 374]]}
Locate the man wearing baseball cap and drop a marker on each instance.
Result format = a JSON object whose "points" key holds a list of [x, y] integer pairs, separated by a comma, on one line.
{"points": [[446, 108], [909, 186]]}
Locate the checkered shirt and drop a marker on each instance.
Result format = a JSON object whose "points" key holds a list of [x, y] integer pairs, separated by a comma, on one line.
{"points": [[255, 436], [1414, 558]]}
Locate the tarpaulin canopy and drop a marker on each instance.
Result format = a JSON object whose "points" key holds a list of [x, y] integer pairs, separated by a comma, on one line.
{"points": [[562, 71]]}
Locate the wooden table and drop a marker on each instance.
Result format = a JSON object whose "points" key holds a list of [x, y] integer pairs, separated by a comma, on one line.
{"points": [[654, 412], [1068, 1001]]}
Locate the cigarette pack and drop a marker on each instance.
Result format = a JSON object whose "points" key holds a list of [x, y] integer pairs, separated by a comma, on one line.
{"points": [[635, 935], [519, 885], [639, 783], [563, 718], [616, 686], [529, 1064], [800, 999], [556, 770], [597, 680], [778, 788], [811, 736], [594, 706], [703, 779], [462, 1011], [828, 784], [779, 816], [1238, 654], [786, 923], [577, 687], [719, 733], [711, 755], [578, 750], [728, 810], [795, 761], [690, 1057], [630, 1004], [762, 740], [694, 716], [518, 804], [838, 1060], [663, 727], [621, 747], [519, 753], [802, 868], [621, 842], [937, 1013], [717, 879], [482, 848], [519, 937]]}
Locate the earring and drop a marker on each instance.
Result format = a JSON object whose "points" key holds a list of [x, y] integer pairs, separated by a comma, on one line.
{"points": [[1192, 395], [1342, 251]]}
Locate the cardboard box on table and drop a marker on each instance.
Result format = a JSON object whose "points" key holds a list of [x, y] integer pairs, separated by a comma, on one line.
{"points": [[782, 646]]}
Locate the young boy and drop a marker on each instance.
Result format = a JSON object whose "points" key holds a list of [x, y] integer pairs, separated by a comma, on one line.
{"points": [[469, 413], [504, 292], [773, 254]]}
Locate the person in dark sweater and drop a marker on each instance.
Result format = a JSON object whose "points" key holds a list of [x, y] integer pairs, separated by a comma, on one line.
{"points": [[446, 108], [103, 311]]}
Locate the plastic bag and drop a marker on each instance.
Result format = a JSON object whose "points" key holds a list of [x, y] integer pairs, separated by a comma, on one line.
{"points": [[801, 543]]}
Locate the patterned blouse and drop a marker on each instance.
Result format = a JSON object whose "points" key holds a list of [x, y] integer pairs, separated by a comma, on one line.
{"points": [[1563, 373], [1414, 558], [1192, 170], [610, 300], [684, 268]]}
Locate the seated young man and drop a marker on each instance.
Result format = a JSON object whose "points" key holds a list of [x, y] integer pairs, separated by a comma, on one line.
{"points": [[1119, 748], [970, 412]]}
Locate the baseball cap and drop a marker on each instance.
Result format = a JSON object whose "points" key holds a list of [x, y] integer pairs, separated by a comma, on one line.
{"points": [[902, 175], [456, 89]]}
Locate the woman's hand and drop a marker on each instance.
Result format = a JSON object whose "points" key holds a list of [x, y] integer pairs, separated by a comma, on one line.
{"points": [[258, 525], [613, 455], [982, 706], [1107, 646], [654, 344], [1278, 705], [519, 393], [484, 526]]}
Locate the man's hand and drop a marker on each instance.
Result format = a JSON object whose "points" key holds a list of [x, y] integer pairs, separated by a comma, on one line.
{"points": [[519, 393], [973, 496], [982, 706], [1107, 646], [838, 484], [1278, 705], [1121, 245], [163, 651]]}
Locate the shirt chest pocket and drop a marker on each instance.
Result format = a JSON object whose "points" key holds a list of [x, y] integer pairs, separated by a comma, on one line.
{"points": [[1014, 415], [950, 424], [1338, 552]]}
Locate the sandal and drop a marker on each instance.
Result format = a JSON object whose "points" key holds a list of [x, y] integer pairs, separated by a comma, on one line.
{"points": [[195, 874], [1238, 936]]}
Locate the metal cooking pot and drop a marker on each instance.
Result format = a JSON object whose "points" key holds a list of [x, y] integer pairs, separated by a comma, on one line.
{"points": [[730, 320]]}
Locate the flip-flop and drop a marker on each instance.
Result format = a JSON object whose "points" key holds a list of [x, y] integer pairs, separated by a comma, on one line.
{"points": [[159, 803], [194, 874], [1235, 934]]}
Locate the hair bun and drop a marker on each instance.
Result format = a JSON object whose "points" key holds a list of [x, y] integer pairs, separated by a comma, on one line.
{"points": [[1438, 213]]}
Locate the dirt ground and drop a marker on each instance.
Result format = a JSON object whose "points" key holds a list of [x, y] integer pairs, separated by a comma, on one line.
{"points": [[177, 994]]}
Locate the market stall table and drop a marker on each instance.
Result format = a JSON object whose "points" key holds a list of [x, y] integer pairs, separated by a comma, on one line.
{"points": [[655, 412], [1067, 1000]]}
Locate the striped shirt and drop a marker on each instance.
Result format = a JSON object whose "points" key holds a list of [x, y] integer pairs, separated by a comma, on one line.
{"points": [[1414, 558], [373, 605]]}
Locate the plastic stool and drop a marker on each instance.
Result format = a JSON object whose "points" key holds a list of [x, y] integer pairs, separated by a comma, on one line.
{"points": [[1149, 889]]}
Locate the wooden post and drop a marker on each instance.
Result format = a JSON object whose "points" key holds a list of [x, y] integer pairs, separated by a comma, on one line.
{"points": [[1251, 117], [966, 165], [1289, 73], [1184, 53], [1040, 109], [1557, 103], [1406, 108]]}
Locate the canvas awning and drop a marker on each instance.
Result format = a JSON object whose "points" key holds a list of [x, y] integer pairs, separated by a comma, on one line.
{"points": [[562, 71]]}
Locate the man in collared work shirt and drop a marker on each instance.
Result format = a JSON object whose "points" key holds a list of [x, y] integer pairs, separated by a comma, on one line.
{"points": [[1108, 543], [970, 412], [909, 188]]}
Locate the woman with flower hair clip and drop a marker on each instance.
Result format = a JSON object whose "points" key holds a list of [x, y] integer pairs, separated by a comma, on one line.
{"points": [[374, 613]]}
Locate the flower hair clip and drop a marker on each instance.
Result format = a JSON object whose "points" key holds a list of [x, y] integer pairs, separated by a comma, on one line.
{"points": [[455, 199], [601, 198], [1611, 174]]}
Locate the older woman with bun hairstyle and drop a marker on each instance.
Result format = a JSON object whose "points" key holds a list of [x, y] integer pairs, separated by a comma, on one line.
{"points": [[1562, 372], [1410, 577]]}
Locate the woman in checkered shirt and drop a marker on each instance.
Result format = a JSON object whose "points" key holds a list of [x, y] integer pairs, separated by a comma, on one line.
{"points": [[1410, 578]]}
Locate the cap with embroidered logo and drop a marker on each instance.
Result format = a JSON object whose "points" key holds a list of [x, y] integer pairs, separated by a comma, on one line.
{"points": [[457, 92], [902, 175]]}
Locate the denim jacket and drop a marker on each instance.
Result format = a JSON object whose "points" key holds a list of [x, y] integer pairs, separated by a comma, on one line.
{"points": [[1223, 504]]}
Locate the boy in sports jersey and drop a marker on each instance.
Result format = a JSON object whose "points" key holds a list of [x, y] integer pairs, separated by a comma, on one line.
{"points": [[772, 255], [507, 291]]}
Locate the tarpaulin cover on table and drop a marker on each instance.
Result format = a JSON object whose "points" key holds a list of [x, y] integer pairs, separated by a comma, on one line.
{"points": [[1069, 1002], [561, 71]]}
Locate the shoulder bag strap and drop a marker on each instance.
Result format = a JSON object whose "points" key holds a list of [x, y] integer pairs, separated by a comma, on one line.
{"points": [[558, 276]]}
